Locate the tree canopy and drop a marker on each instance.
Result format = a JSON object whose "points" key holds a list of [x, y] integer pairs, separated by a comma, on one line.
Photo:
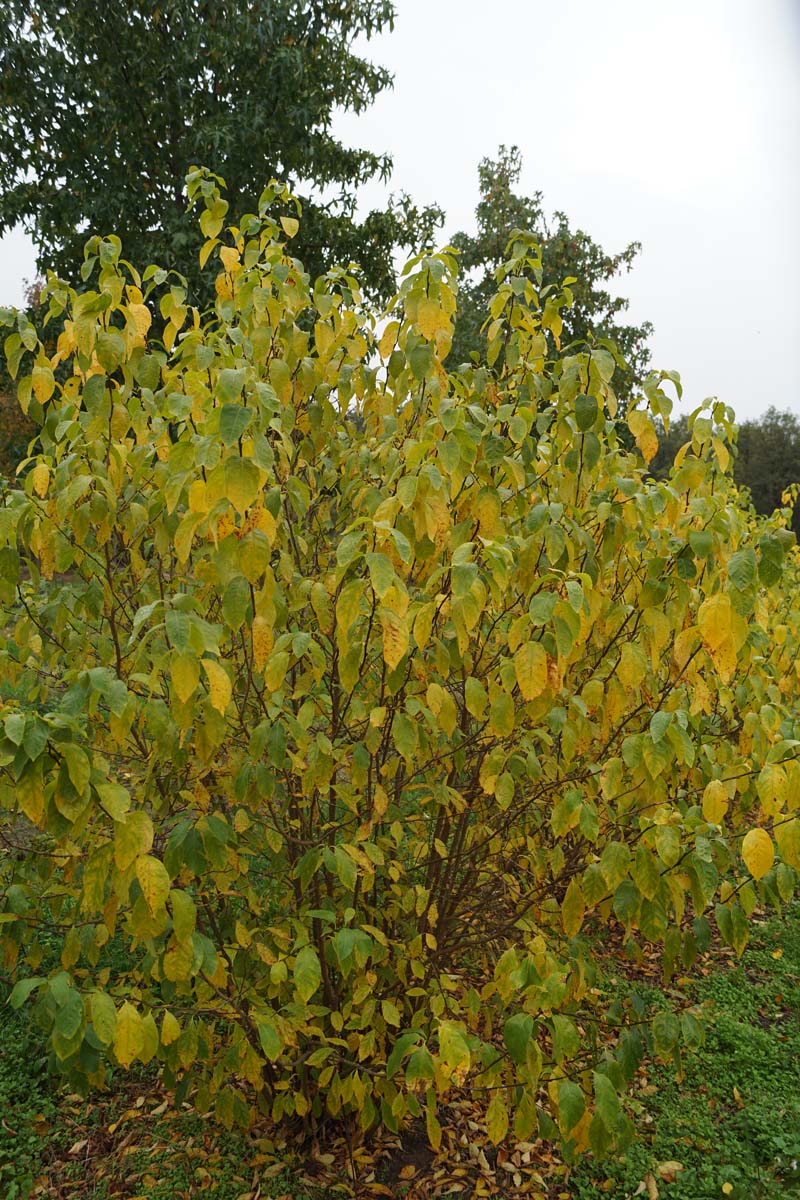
{"points": [[106, 107], [594, 314]]}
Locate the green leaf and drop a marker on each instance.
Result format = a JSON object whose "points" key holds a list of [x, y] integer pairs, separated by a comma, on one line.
{"points": [[666, 1032], [571, 1105], [307, 973], [78, 766], [585, 411], [22, 990], [233, 421], [269, 1037], [517, 1032]]}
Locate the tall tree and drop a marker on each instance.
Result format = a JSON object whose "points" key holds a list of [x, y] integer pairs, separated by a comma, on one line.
{"points": [[596, 313], [106, 106]]}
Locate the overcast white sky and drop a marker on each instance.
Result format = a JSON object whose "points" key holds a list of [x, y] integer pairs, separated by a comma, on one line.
{"points": [[671, 122]]}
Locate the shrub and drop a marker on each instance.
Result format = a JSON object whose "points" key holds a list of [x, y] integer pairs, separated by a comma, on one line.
{"points": [[354, 698]]}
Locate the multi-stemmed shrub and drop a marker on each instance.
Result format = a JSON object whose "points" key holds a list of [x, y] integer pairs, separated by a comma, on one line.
{"points": [[354, 694]]}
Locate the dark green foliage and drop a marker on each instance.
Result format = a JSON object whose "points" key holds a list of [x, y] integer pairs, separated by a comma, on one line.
{"points": [[106, 106], [566, 252], [767, 459]]}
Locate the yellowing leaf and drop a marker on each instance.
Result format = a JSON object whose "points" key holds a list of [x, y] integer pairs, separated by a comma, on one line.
{"points": [[141, 318], [497, 1119], [132, 837], [219, 685], [154, 882], [715, 801], [530, 668], [170, 1029], [714, 619], [388, 339], [40, 477], [395, 637], [185, 675], [43, 383], [290, 226], [261, 633], [128, 1035], [758, 852], [573, 908]]}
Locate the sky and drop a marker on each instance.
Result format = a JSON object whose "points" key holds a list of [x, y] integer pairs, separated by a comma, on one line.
{"points": [[675, 123]]}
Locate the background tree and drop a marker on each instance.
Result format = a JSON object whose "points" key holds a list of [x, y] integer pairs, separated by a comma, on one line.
{"points": [[105, 107], [767, 458], [595, 312]]}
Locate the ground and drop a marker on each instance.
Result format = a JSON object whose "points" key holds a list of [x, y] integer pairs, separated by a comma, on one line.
{"points": [[730, 1127]]}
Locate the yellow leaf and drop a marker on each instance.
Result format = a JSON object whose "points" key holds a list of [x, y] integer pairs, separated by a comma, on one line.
{"points": [[644, 431], [430, 318], [128, 1035], [715, 801], [714, 620], [229, 257], [388, 339], [275, 669], [40, 477], [573, 908], [290, 226], [261, 633], [395, 637], [530, 668], [219, 685], [497, 1119], [141, 318], [170, 1029], [185, 674], [43, 383], [758, 852], [154, 882]]}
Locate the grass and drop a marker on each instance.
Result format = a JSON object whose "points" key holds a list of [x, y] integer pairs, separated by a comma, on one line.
{"points": [[732, 1123]]}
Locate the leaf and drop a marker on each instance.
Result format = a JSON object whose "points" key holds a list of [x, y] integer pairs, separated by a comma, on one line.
{"points": [[666, 1032], [758, 852], [185, 675], [571, 1105], [78, 766], [128, 1035], [242, 482], [22, 990], [395, 637], [132, 836], [714, 619], [307, 973], [530, 669], [170, 1029], [269, 1037], [715, 801], [154, 882], [497, 1119], [573, 908], [517, 1032], [219, 685], [290, 226], [453, 1047], [104, 1017], [233, 421]]}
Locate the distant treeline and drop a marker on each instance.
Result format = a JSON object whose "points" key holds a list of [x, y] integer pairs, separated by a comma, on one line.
{"points": [[767, 457]]}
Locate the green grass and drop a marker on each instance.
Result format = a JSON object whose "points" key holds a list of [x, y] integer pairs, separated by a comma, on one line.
{"points": [[733, 1120], [735, 1117]]}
